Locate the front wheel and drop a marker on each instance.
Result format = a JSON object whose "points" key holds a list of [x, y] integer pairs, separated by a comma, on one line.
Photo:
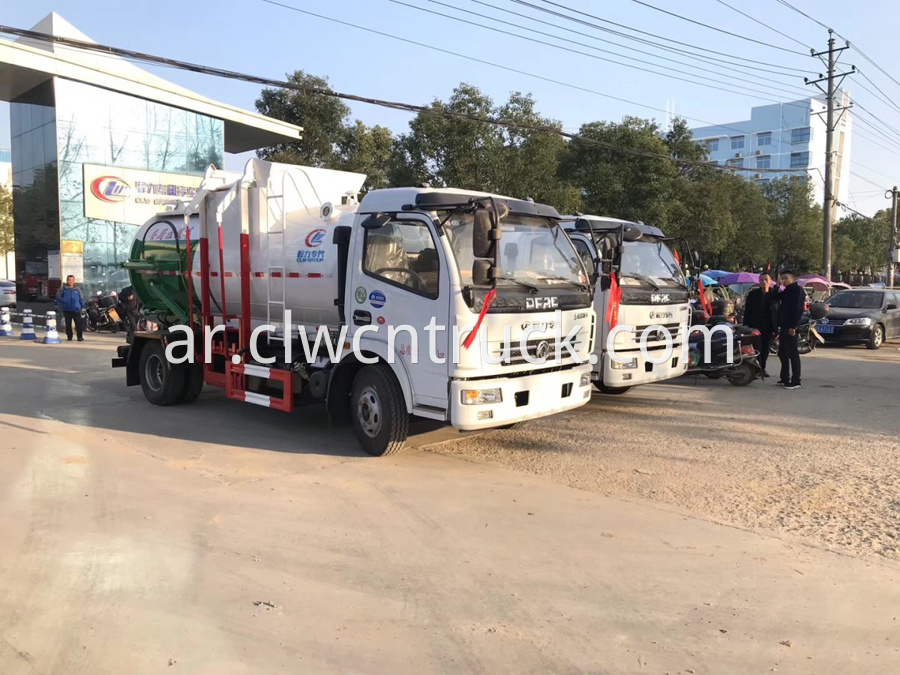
{"points": [[378, 411], [161, 383], [611, 391], [742, 375], [877, 338]]}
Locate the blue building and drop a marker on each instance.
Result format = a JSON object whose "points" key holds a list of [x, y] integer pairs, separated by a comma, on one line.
{"points": [[98, 146], [783, 136]]}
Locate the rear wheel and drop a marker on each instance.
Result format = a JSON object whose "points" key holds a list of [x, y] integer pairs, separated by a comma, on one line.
{"points": [[743, 375], [611, 391], [162, 384], [378, 411], [193, 383], [877, 338]]}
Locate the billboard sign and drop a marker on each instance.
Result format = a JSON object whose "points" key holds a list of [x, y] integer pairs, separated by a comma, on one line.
{"points": [[133, 195]]}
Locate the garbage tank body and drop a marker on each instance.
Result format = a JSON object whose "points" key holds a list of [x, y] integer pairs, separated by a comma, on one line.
{"points": [[288, 214]]}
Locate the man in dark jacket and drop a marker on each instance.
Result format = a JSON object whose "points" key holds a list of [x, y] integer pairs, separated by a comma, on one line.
{"points": [[792, 301], [71, 301], [760, 312]]}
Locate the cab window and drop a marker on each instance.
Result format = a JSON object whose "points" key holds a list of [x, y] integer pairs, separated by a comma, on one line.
{"points": [[403, 253], [584, 252]]}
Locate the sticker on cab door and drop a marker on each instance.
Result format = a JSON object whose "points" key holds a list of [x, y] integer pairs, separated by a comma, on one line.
{"points": [[377, 299], [361, 295]]}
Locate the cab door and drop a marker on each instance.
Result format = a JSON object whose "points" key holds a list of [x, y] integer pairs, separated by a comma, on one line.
{"points": [[401, 279]]}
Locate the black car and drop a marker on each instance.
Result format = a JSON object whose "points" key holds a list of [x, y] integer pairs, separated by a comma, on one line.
{"points": [[866, 316]]}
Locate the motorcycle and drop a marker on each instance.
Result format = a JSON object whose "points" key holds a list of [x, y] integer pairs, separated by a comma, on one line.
{"points": [[101, 314], [744, 366], [807, 337]]}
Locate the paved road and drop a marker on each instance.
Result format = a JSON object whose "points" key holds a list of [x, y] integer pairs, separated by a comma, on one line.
{"points": [[143, 540]]}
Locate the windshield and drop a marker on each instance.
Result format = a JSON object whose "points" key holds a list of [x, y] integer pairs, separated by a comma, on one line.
{"points": [[533, 252], [649, 263], [857, 300]]}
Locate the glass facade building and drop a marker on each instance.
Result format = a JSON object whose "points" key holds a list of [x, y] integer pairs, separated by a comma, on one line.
{"points": [[62, 125]]}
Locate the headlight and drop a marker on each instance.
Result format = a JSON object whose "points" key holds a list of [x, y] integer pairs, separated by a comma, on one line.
{"points": [[861, 321], [586, 380], [628, 365], [480, 396]]}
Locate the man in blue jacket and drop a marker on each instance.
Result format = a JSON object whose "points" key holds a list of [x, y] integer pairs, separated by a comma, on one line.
{"points": [[790, 310], [71, 300]]}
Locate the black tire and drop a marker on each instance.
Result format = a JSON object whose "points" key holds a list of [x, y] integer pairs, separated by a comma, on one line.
{"points": [[193, 383], [743, 375], [716, 375], [877, 338], [773, 347], [610, 391], [161, 383], [378, 411], [805, 348], [90, 324]]}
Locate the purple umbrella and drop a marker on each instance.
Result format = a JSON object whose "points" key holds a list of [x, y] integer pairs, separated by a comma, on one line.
{"points": [[739, 278]]}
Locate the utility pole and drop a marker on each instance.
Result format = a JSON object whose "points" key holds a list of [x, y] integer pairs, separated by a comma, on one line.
{"points": [[892, 244], [833, 83]]}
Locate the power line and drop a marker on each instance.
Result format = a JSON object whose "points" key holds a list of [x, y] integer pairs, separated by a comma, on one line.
{"points": [[569, 49], [642, 32], [886, 100], [751, 70], [716, 28], [799, 11], [762, 23], [283, 84], [861, 177], [885, 125], [878, 132]]}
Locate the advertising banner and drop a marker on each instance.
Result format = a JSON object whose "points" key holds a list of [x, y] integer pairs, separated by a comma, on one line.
{"points": [[132, 195]]}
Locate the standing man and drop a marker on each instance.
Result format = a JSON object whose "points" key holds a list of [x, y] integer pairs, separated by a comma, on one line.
{"points": [[72, 302], [793, 300], [760, 312]]}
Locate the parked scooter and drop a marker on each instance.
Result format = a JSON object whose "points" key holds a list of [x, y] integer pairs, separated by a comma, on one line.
{"points": [[744, 366], [807, 337], [101, 313]]}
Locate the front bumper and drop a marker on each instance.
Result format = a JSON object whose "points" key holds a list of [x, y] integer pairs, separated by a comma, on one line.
{"points": [[525, 397], [847, 334], [645, 372]]}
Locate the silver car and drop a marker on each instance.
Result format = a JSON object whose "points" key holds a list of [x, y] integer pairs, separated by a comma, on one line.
{"points": [[7, 293]]}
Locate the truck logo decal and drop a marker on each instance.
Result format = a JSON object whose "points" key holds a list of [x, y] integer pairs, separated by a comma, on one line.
{"points": [[659, 297], [539, 326], [315, 238], [542, 303], [310, 256], [377, 299], [543, 350], [110, 189], [661, 315], [361, 295]]}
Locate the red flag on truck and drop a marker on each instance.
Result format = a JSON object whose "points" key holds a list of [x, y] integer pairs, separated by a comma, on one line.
{"points": [[488, 299], [612, 304]]}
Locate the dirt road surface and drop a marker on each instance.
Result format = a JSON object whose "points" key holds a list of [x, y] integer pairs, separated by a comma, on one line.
{"points": [[225, 538]]}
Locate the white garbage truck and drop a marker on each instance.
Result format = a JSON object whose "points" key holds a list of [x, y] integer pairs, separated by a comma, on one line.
{"points": [[639, 283], [285, 289]]}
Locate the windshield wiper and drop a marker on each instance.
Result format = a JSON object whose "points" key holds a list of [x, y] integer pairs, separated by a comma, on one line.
{"points": [[565, 279], [644, 278], [531, 287]]}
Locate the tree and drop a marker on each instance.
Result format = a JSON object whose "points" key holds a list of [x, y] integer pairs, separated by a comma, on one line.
{"points": [[860, 243], [7, 236], [367, 150], [796, 224], [322, 118], [637, 181]]}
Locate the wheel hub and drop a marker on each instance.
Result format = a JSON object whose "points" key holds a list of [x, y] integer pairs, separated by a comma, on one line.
{"points": [[368, 411], [154, 371]]}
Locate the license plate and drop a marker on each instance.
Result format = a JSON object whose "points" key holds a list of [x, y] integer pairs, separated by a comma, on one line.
{"points": [[114, 315], [824, 329]]}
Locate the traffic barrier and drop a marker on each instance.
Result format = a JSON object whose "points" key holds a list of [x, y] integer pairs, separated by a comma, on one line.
{"points": [[27, 326], [5, 325], [51, 337]]}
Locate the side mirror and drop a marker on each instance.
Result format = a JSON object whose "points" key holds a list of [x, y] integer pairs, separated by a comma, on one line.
{"points": [[484, 239], [891, 306], [483, 272], [375, 221]]}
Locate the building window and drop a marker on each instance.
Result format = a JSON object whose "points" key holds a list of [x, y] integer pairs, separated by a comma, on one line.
{"points": [[737, 142], [736, 163], [799, 160], [800, 135], [763, 161], [762, 182], [764, 139], [712, 145]]}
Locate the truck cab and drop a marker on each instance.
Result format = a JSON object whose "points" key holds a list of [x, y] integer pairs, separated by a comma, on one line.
{"points": [[639, 283]]}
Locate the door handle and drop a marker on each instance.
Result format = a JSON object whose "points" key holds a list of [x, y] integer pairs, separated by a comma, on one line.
{"points": [[361, 318]]}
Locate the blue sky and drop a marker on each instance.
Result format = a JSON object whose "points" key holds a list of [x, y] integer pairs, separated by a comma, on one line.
{"points": [[255, 37]]}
